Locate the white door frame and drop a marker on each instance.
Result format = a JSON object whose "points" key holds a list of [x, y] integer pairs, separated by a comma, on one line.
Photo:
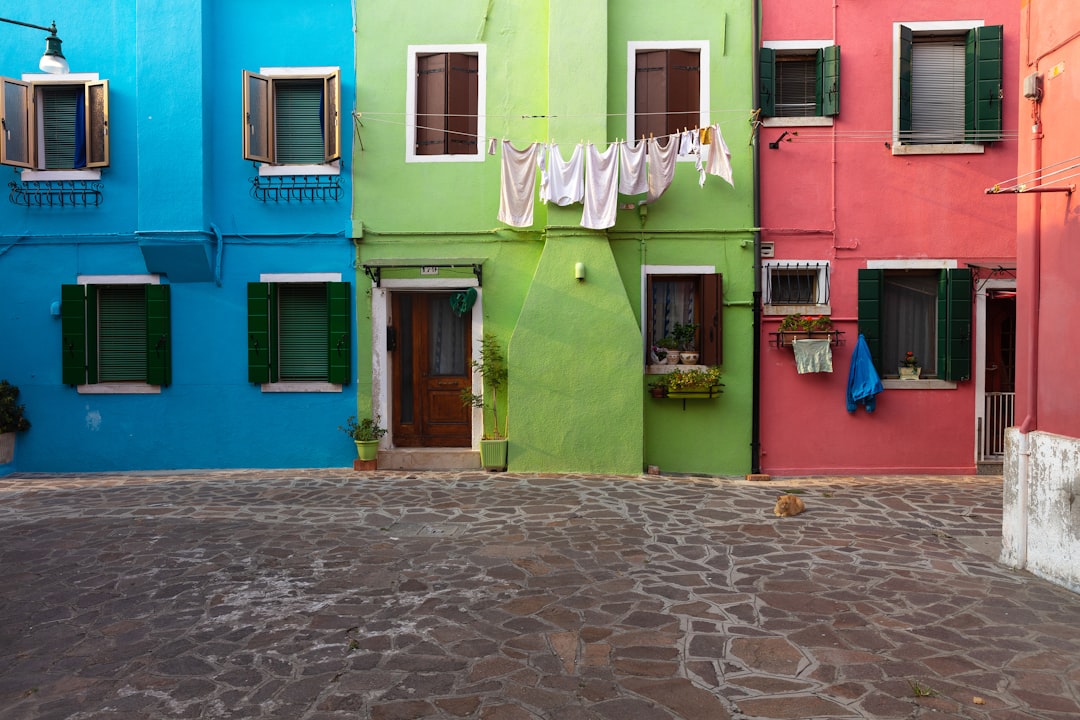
{"points": [[979, 366]]}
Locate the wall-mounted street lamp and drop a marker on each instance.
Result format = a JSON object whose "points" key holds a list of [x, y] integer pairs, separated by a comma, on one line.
{"points": [[52, 61]]}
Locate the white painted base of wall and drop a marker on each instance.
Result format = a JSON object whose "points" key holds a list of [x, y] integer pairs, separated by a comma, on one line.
{"points": [[1040, 530]]}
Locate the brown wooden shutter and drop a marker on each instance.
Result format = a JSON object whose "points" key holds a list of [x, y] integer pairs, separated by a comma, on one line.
{"points": [[462, 90], [683, 90], [431, 106], [258, 118], [650, 94], [712, 319]]}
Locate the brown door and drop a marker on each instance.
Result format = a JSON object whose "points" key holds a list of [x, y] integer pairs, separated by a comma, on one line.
{"points": [[1001, 343], [430, 364]]}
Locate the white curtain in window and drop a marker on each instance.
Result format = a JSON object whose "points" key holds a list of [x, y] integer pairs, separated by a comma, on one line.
{"points": [[909, 321], [672, 302]]}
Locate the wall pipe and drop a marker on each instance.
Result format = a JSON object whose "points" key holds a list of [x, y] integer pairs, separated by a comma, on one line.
{"points": [[755, 404]]}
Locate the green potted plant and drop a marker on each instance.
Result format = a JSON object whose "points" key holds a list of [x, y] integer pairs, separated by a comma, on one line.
{"points": [[685, 334], [667, 350], [12, 420], [909, 367], [803, 326], [694, 383], [491, 366], [366, 434]]}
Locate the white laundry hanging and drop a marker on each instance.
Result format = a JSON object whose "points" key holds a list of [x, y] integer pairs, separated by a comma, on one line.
{"points": [[633, 179], [517, 183], [563, 183], [719, 162], [661, 166], [601, 186]]}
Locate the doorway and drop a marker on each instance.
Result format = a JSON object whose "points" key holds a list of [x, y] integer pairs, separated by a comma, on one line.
{"points": [[999, 372], [429, 348]]}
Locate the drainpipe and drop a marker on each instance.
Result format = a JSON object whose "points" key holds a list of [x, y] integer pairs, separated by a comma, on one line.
{"points": [[755, 411]]}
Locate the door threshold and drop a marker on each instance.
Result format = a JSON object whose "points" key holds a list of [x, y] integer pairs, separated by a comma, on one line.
{"points": [[441, 458]]}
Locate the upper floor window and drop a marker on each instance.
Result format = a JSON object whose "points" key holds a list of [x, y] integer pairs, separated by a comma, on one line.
{"points": [[445, 95], [667, 87], [799, 79], [795, 286], [292, 117], [55, 122], [948, 86]]}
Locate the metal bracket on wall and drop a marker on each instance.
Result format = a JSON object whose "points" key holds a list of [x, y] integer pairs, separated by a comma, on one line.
{"points": [[373, 268], [296, 188], [55, 193]]}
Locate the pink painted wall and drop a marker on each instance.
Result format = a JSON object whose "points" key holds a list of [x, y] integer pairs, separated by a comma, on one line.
{"points": [[1049, 223], [839, 194]]}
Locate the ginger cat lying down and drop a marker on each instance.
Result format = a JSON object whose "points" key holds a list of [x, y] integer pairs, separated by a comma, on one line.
{"points": [[788, 505]]}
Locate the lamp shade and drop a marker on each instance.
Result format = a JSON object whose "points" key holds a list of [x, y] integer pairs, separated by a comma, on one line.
{"points": [[53, 60]]}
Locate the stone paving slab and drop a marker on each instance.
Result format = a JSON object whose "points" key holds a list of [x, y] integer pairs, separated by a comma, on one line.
{"points": [[327, 594]]}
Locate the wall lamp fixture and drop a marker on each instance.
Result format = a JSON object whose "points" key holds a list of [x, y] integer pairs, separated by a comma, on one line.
{"points": [[53, 60]]}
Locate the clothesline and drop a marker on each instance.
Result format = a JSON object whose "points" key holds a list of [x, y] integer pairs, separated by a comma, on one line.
{"points": [[1042, 174]]}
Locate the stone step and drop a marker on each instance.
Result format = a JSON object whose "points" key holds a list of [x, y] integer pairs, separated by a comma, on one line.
{"points": [[429, 459]]}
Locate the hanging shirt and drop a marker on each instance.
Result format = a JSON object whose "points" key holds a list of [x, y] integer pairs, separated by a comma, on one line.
{"points": [[632, 177], [863, 382], [564, 181], [719, 162], [516, 184], [601, 186], [661, 166]]}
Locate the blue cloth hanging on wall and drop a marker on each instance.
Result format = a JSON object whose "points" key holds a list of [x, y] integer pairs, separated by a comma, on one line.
{"points": [[863, 383]]}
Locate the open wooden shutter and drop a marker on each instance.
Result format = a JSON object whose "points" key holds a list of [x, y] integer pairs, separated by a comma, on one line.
{"points": [[97, 124], [73, 330], [870, 293], [16, 113], [462, 90], [339, 337], [712, 319], [258, 118], [954, 324], [828, 81], [158, 336], [332, 117], [905, 83], [983, 83], [767, 81], [683, 90], [431, 105], [261, 367]]}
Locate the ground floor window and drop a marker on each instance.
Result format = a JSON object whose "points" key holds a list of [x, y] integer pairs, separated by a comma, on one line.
{"points": [[681, 299]]}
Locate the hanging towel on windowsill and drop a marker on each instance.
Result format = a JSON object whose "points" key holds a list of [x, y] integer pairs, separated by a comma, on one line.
{"points": [[863, 381], [813, 355]]}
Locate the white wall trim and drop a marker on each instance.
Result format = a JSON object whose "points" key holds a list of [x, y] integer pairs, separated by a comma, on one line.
{"points": [[701, 46], [911, 264], [119, 280], [478, 49], [299, 277]]}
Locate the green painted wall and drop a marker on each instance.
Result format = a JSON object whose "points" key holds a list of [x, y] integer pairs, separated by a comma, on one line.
{"points": [[577, 399]]}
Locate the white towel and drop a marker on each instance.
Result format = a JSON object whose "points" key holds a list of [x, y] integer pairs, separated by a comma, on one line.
{"points": [[601, 186], [719, 162], [564, 181], [632, 177], [812, 355], [661, 166], [516, 184]]}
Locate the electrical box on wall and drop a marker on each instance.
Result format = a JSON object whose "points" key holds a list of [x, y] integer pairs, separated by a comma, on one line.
{"points": [[1033, 86], [767, 250]]}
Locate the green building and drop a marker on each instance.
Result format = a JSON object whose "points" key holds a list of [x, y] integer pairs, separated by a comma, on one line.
{"points": [[578, 297]]}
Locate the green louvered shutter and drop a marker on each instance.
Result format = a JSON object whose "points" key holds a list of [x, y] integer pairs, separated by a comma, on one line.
{"points": [[828, 81], [122, 337], [870, 292], [158, 336], [767, 81], [73, 334], [905, 83], [303, 327], [983, 83], [58, 107], [954, 325], [298, 122], [340, 339], [260, 351]]}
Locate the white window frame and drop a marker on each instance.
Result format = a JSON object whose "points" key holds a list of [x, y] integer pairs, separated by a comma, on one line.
{"points": [[293, 386], [37, 79], [118, 388], [699, 46], [797, 47], [331, 168], [480, 51], [820, 307], [919, 28]]}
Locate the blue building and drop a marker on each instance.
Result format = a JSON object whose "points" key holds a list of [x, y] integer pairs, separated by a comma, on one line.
{"points": [[176, 265]]}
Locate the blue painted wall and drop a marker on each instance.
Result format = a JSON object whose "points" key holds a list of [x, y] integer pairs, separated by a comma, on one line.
{"points": [[176, 176]]}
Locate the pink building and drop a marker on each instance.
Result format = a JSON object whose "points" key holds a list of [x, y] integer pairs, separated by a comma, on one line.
{"points": [[1042, 468], [882, 125]]}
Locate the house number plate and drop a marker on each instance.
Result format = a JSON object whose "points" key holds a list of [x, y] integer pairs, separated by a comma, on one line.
{"points": [[429, 269]]}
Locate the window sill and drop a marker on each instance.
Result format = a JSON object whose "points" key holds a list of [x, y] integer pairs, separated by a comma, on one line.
{"points": [[333, 168], [943, 149], [300, 387], [58, 175], [411, 158], [119, 389], [785, 310], [920, 384], [815, 121], [666, 369]]}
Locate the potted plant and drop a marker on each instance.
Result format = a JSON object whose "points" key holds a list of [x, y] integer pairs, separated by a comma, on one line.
{"points": [[909, 367], [491, 366], [12, 420], [694, 383], [658, 388], [667, 350], [803, 326], [685, 334], [366, 434]]}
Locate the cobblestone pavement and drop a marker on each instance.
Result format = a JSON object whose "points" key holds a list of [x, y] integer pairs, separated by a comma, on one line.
{"points": [[327, 594]]}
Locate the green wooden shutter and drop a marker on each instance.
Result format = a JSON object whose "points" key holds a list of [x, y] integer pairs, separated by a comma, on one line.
{"points": [[431, 104], [954, 324], [983, 83], [16, 113], [340, 342], [870, 293], [92, 335], [331, 117], [258, 119], [767, 81], [97, 124], [261, 367], [828, 81], [712, 319], [303, 327], [73, 331], [298, 122], [122, 339], [905, 83], [462, 91], [158, 336]]}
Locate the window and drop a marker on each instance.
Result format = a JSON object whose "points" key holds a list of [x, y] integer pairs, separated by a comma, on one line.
{"points": [[948, 86], [298, 332], [291, 117], [799, 80], [795, 286], [445, 95], [55, 123], [115, 333], [667, 88], [925, 311], [676, 295]]}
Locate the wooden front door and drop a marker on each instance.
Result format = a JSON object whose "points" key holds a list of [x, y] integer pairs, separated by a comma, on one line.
{"points": [[430, 361]]}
